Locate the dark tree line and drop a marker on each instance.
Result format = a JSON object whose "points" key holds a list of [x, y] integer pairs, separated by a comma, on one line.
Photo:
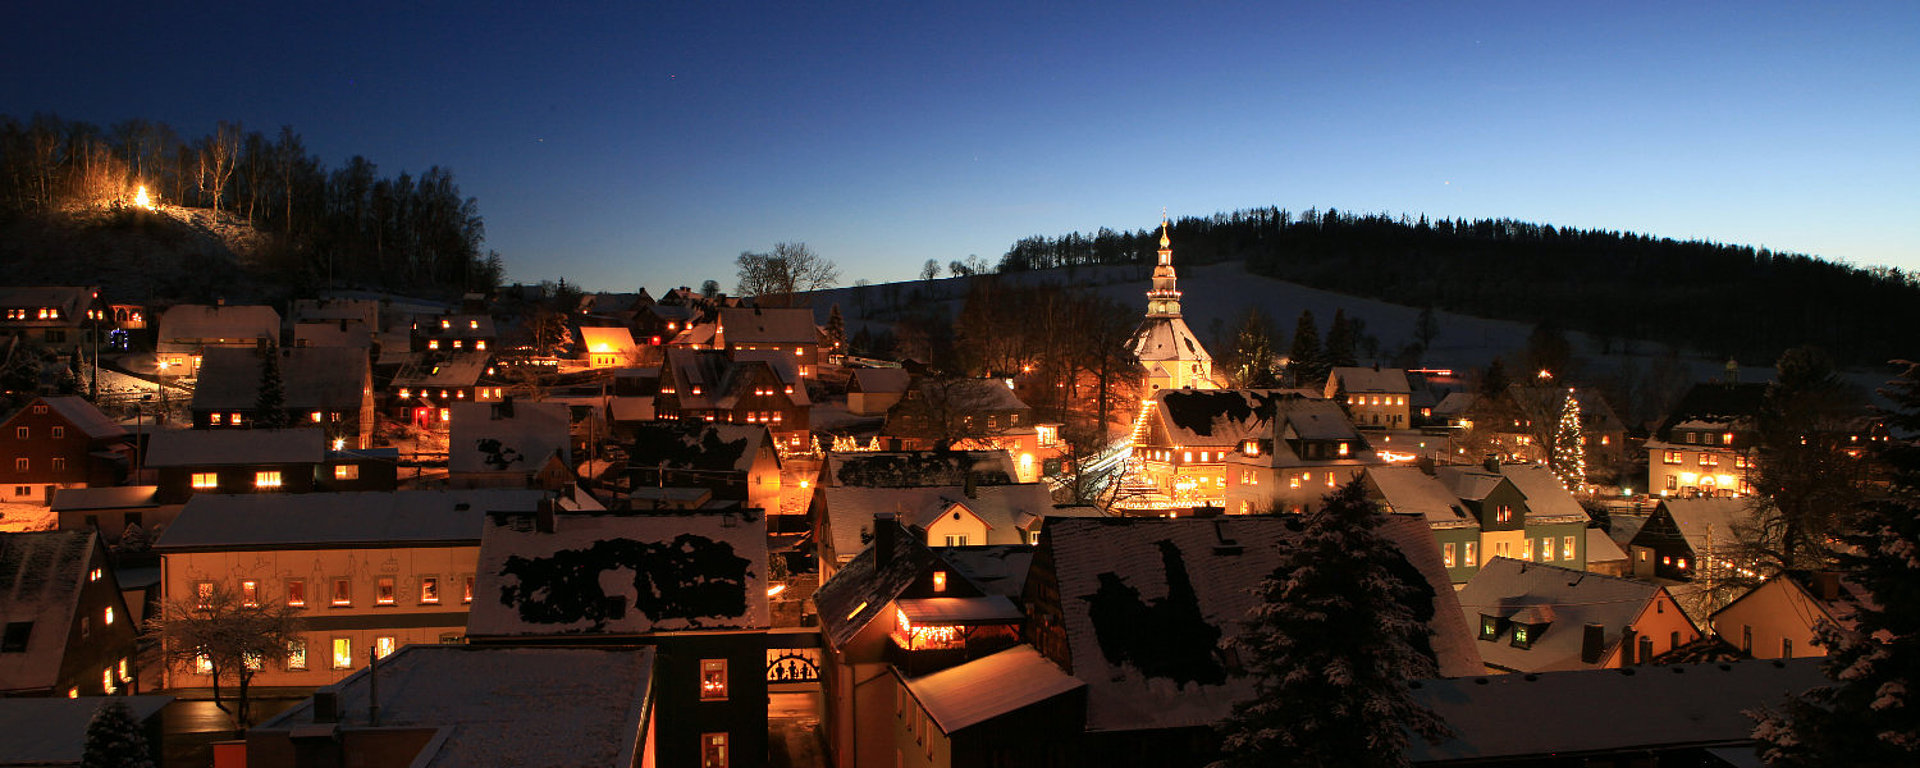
{"points": [[346, 225], [1719, 299]]}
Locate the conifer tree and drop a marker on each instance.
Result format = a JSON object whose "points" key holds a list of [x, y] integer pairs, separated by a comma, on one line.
{"points": [[1342, 341], [270, 407], [1333, 647], [1305, 361], [1253, 352], [1868, 715], [1569, 445], [836, 331], [114, 738]]}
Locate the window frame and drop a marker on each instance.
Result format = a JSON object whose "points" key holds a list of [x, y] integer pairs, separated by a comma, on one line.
{"points": [[714, 683]]}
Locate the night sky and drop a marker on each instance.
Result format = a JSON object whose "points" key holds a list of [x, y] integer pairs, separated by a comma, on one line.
{"points": [[627, 144]]}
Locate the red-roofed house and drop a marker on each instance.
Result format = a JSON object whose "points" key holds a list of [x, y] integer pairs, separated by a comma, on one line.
{"points": [[59, 442]]}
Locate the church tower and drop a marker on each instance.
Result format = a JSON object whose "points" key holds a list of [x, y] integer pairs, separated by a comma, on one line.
{"points": [[1164, 345]]}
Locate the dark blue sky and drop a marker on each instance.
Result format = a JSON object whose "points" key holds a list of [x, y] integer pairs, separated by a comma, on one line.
{"points": [[629, 144]]}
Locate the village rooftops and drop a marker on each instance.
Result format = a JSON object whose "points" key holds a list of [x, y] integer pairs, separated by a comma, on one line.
{"points": [[214, 522], [983, 689], [458, 368], [41, 576], [1007, 508], [84, 416], [744, 325], [1517, 591], [860, 591], [186, 326], [1708, 524], [1548, 500], [1354, 379], [1714, 407], [998, 569], [210, 447], [1410, 491], [496, 706], [695, 445]]}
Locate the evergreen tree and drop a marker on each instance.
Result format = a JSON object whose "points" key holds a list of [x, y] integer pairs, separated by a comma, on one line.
{"points": [[1868, 715], [1426, 328], [1305, 361], [270, 407], [1334, 645], [1342, 341], [1802, 471], [1253, 351], [1569, 445], [1494, 381], [114, 738], [836, 331]]}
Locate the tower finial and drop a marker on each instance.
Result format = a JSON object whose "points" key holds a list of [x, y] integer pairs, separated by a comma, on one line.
{"points": [[1164, 242]]}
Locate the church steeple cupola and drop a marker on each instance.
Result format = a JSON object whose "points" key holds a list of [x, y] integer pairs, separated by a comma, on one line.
{"points": [[1164, 299]]}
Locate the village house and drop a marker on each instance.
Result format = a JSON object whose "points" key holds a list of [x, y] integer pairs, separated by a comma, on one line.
{"points": [[953, 515], [1776, 619], [608, 347], [471, 705], [503, 444], [1478, 513], [451, 332], [186, 331], [1683, 538], [428, 385], [736, 461], [368, 571], [110, 511], [57, 317], [915, 469], [60, 441], [874, 391], [1375, 398], [66, 628], [296, 460], [1532, 617], [1704, 446], [1144, 612], [1308, 448], [972, 414], [789, 332], [747, 387], [329, 387], [690, 583], [1193, 445], [1007, 709]]}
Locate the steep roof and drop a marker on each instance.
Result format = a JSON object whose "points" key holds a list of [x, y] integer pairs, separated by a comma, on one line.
{"points": [[1705, 523], [885, 380], [1505, 587], [1601, 548], [317, 378], [980, 690], [1604, 711], [669, 569], [754, 325], [507, 437], [333, 334], [191, 323], [211, 447], [1548, 500], [441, 368], [41, 576], [1160, 339], [1409, 491], [598, 340], [998, 569], [1367, 379], [1002, 507], [504, 706], [1148, 602], [860, 590], [84, 417], [370, 519]]}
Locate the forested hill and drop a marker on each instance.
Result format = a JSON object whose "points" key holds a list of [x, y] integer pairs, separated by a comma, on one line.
{"points": [[234, 199], [1711, 298]]}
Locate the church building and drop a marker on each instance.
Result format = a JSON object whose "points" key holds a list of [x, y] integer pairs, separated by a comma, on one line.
{"points": [[1172, 356]]}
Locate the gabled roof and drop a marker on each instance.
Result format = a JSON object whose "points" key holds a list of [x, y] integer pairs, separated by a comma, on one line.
{"points": [[58, 731], [317, 378], [1612, 711], [695, 445], [1317, 420], [1601, 548], [967, 395], [371, 519], [1147, 603], [507, 437], [1548, 500], [192, 323], [1505, 587], [998, 569], [1353, 379], [880, 380], [861, 590], [603, 341], [670, 570], [41, 576], [983, 689], [235, 447], [1717, 404], [84, 417], [503, 706], [1454, 405], [71, 300], [754, 325], [1470, 483], [1409, 491], [1001, 507], [723, 380], [904, 469], [1705, 523]]}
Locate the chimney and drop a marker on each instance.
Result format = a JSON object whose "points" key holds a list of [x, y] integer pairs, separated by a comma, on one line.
{"points": [[1492, 464], [1627, 647], [884, 531], [970, 485], [1592, 643], [326, 707], [543, 516], [1425, 464]]}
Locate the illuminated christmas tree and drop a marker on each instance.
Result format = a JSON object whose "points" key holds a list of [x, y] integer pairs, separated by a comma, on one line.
{"points": [[1569, 445]]}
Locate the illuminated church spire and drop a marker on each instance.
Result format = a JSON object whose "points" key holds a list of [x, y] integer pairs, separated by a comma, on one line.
{"points": [[1164, 299]]}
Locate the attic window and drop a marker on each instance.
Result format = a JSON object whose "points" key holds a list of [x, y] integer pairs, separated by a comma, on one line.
{"points": [[1524, 635], [1489, 627], [939, 581], [1343, 449]]}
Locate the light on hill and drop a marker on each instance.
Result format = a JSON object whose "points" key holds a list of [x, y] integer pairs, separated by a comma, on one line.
{"points": [[140, 198]]}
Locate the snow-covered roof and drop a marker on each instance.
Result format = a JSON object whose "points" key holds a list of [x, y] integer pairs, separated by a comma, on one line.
{"points": [[881, 380], [1006, 509], [1317, 420], [1708, 523], [1504, 587], [1502, 718], [84, 417], [1128, 586], [317, 378], [507, 436], [333, 334], [753, 325], [998, 569], [53, 731], [195, 323], [1548, 500], [695, 445], [1214, 417], [503, 706], [1353, 379], [1410, 491], [1166, 338], [862, 589], [983, 689], [1454, 405], [1471, 483], [603, 340], [667, 570], [215, 447], [41, 576], [900, 469], [442, 368], [991, 609], [1602, 549], [370, 519]]}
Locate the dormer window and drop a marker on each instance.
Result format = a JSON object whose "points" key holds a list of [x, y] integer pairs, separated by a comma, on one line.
{"points": [[1489, 627], [1523, 635]]}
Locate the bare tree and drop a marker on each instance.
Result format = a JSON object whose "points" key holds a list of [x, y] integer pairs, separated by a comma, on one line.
{"points": [[220, 633], [775, 279]]}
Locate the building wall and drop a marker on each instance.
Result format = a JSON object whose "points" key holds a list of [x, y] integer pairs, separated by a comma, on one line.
{"points": [[1678, 469], [1460, 567], [859, 700], [1776, 611], [97, 647], [360, 623], [964, 523], [684, 718], [1663, 621], [42, 451]]}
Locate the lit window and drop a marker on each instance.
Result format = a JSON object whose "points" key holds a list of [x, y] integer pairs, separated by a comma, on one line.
{"points": [[1521, 637], [203, 594], [202, 664], [713, 679], [433, 344], [956, 540], [266, 478], [1470, 557], [93, 575], [297, 593], [480, 344], [382, 647], [346, 472], [205, 480], [108, 617], [1446, 554], [296, 654], [342, 592], [1546, 548], [383, 591], [939, 581], [233, 419], [214, 419], [1566, 548], [249, 593], [125, 675], [1526, 549], [713, 750], [106, 680], [466, 590], [315, 416], [253, 661], [343, 653], [475, 324]]}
